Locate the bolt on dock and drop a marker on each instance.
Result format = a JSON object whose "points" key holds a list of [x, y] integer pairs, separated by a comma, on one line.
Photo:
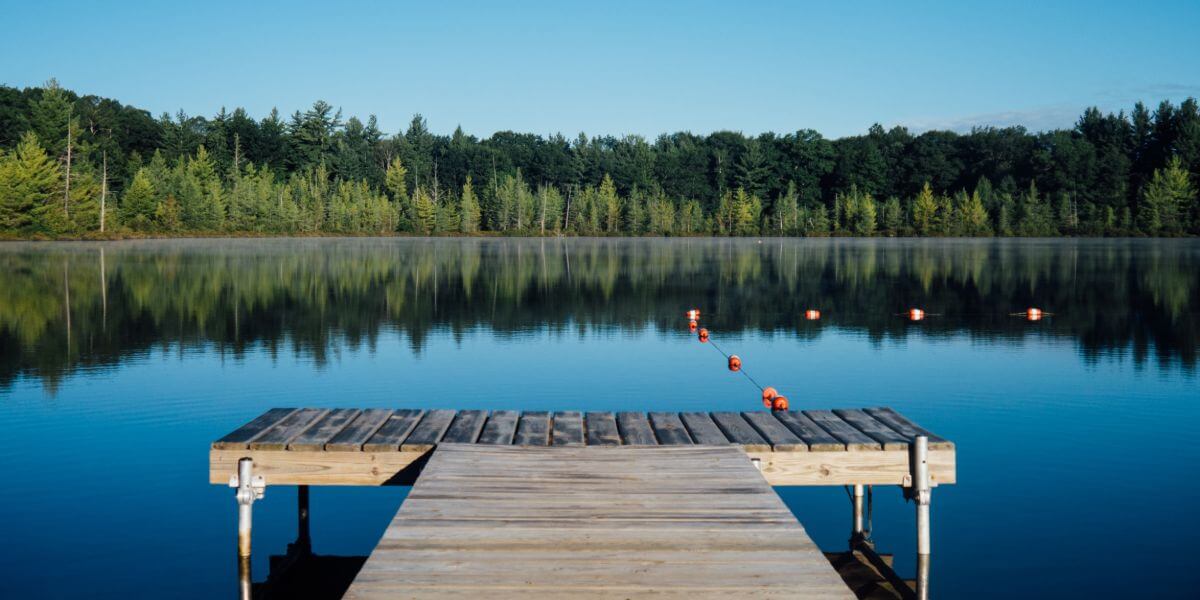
{"points": [[596, 504]]}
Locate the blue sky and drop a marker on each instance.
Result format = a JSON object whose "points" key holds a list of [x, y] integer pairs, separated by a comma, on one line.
{"points": [[619, 67]]}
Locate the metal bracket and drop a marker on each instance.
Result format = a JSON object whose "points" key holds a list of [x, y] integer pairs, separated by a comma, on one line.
{"points": [[254, 489], [757, 462]]}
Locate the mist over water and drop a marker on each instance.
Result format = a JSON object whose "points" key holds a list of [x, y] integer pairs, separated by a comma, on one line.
{"points": [[120, 362]]}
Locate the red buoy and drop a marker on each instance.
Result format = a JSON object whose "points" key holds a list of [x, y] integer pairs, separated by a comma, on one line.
{"points": [[703, 335], [769, 395], [1033, 314], [779, 403], [692, 326], [916, 314], [735, 363], [693, 315], [812, 314]]}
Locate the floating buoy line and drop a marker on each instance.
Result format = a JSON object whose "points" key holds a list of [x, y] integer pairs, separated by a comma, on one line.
{"points": [[771, 397]]}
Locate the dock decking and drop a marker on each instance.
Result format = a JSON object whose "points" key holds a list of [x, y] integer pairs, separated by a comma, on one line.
{"points": [[678, 521], [342, 446]]}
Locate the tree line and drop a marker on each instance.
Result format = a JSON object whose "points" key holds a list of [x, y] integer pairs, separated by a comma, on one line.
{"points": [[79, 165]]}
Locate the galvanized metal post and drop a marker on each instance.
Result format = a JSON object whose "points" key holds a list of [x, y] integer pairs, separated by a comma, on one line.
{"points": [[922, 488], [249, 488], [856, 534], [303, 541]]}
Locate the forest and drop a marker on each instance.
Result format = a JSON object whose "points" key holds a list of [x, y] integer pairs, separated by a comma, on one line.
{"points": [[81, 166]]}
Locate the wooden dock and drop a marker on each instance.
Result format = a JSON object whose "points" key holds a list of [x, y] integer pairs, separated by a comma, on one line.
{"points": [[586, 522], [341, 446], [598, 504]]}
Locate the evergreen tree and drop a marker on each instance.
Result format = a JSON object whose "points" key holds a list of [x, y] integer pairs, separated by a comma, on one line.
{"points": [[394, 180], [139, 203], [924, 211], [972, 216], [425, 212], [1167, 201], [610, 203], [893, 216], [30, 184], [469, 208]]}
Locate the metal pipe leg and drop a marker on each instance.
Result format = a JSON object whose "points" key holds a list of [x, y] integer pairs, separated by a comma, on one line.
{"points": [[856, 534], [303, 539], [249, 489], [923, 488]]}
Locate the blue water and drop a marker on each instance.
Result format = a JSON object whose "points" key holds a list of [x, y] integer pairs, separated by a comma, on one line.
{"points": [[1076, 435]]}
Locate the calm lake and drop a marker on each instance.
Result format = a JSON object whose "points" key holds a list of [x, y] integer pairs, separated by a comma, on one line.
{"points": [[1078, 435]]}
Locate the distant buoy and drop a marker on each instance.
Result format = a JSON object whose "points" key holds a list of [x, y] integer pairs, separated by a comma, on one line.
{"points": [[769, 394], [916, 314], [735, 363], [812, 314], [692, 326], [703, 335], [1033, 314], [779, 403], [693, 315]]}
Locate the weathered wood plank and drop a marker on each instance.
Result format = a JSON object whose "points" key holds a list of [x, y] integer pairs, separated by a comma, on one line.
{"points": [[466, 427], [352, 438], [635, 429], [900, 423], [777, 434], [282, 432], [843, 431], [314, 438], [500, 428], [739, 431], [703, 430], [393, 432], [818, 439], [602, 429], [242, 436], [890, 438], [567, 429], [429, 431], [533, 429], [885, 467], [565, 522], [669, 430]]}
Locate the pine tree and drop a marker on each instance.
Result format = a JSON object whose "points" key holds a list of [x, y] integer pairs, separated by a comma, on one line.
{"points": [[893, 216], [29, 186], [924, 211], [425, 212], [972, 216], [394, 180], [865, 215], [1167, 201], [469, 208], [610, 203], [138, 204]]}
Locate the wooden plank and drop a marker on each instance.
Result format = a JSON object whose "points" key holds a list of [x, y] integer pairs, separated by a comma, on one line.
{"points": [[635, 429], [314, 438], [739, 431], [890, 438], [669, 430], [909, 429], [567, 429], [602, 429], [703, 430], [500, 428], [777, 434], [392, 433], [885, 467], [674, 522], [352, 438], [278, 435], [242, 436], [843, 431], [533, 429], [466, 427], [429, 431], [818, 439]]}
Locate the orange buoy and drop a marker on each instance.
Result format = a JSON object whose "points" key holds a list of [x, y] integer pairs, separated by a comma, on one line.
{"points": [[812, 314], [1033, 314], [769, 395], [692, 326], [916, 314], [693, 315], [735, 363], [779, 403], [703, 335]]}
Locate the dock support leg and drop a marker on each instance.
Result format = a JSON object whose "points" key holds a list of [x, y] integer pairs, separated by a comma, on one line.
{"points": [[922, 491], [303, 539], [249, 488], [857, 535]]}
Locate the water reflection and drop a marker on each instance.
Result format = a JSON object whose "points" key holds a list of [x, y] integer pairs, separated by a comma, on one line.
{"points": [[70, 306]]}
